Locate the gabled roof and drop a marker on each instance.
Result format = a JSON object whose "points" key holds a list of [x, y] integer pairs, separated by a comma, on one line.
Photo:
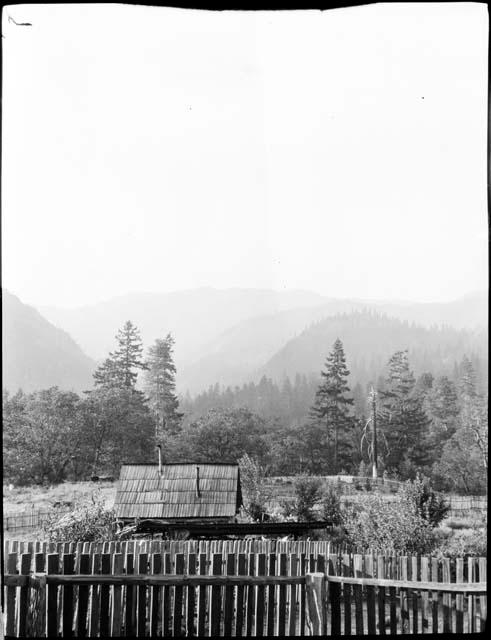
{"points": [[143, 493]]}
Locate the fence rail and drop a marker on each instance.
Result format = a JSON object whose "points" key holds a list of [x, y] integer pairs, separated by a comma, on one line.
{"points": [[235, 593]]}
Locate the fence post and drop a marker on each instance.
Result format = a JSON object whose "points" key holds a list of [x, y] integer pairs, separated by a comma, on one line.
{"points": [[316, 591]]}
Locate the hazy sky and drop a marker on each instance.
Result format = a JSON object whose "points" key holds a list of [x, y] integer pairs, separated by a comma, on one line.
{"points": [[153, 149]]}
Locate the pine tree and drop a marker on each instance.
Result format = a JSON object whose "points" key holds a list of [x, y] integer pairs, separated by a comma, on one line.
{"points": [[467, 382], [159, 385], [331, 407], [118, 370], [402, 418]]}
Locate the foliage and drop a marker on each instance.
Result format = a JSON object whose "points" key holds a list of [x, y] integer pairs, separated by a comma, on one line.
{"points": [[431, 506], [330, 505], [381, 525], [160, 385], [90, 521], [331, 406], [119, 369], [254, 490], [402, 420], [308, 494], [220, 435], [42, 433]]}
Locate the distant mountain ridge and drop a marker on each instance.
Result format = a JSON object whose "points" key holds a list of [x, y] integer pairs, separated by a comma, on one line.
{"points": [[38, 355], [231, 336], [369, 339]]}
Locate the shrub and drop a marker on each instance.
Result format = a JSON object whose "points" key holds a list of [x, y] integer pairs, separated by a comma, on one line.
{"points": [[431, 505], [331, 506], [256, 495], [383, 525], [307, 496], [90, 521]]}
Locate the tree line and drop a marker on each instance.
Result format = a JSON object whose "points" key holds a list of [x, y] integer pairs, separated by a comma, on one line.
{"points": [[436, 426]]}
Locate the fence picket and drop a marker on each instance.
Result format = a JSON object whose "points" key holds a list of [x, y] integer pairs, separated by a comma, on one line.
{"points": [[190, 597], [250, 597], [68, 568], [280, 612], [117, 609], [424, 596], [239, 616], [271, 596], [201, 624], [11, 595], [357, 593], [482, 565], [228, 607], [52, 597], [215, 596]]}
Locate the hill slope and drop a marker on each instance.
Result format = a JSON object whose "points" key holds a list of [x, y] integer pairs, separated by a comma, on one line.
{"points": [[369, 340], [37, 355]]}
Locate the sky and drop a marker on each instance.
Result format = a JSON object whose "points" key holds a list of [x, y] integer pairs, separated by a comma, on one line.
{"points": [[156, 149]]}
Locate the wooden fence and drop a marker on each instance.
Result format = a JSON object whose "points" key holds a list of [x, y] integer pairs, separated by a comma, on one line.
{"points": [[222, 592], [29, 519]]}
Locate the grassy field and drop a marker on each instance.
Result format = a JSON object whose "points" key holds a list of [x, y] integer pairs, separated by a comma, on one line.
{"points": [[44, 498]]}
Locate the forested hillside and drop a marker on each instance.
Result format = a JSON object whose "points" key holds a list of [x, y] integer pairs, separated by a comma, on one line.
{"points": [[370, 338], [36, 354]]}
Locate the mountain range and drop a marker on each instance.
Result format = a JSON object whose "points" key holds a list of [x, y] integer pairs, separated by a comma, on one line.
{"points": [[230, 336], [36, 354]]}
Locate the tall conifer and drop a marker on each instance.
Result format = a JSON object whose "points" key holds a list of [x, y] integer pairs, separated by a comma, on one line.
{"points": [[331, 407]]}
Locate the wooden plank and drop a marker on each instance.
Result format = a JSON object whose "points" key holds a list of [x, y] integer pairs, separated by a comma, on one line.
{"points": [[293, 596], [201, 622], [270, 613], [117, 606], [67, 590], [347, 572], [459, 599], [434, 595], [129, 623], [104, 614], [415, 594], [404, 594], [52, 597], [471, 601], [357, 594], [141, 615], [229, 597], [177, 609], [40, 567], [250, 597], [25, 568], [303, 595], [482, 565], [334, 591], [166, 596], [381, 595], [190, 596], [215, 596], [261, 597], [447, 598], [315, 585], [10, 629], [425, 576], [281, 611], [393, 597], [371, 614]]}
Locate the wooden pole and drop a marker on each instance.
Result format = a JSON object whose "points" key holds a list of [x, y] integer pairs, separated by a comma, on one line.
{"points": [[315, 584]]}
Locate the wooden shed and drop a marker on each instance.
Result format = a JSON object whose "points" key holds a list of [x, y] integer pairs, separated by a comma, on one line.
{"points": [[180, 492]]}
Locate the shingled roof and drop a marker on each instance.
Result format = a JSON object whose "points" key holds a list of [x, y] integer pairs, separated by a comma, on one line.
{"points": [[143, 493]]}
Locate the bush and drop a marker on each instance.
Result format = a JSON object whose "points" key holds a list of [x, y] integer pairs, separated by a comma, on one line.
{"points": [[331, 506], [307, 496], [256, 494], [383, 525], [91, 521], [431, 506]]}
